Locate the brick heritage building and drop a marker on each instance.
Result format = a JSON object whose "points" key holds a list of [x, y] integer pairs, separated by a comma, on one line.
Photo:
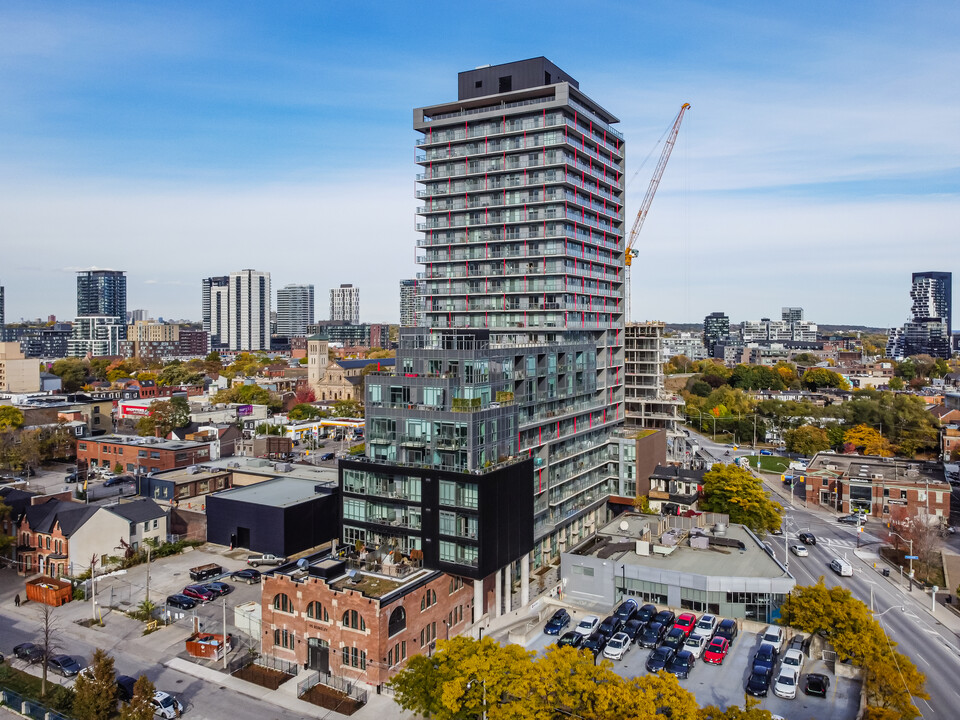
{"points": [[361, 625], [140, 455], [891, 489]]}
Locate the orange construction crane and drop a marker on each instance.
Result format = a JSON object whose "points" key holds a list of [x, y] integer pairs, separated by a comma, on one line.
{"points": [[631, 253]]}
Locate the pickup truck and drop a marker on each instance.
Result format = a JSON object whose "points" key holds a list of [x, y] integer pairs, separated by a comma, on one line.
{"points": [[265, 559]]}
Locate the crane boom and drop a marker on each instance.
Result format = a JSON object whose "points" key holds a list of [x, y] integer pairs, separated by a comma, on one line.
{"points": [[648, 198]]}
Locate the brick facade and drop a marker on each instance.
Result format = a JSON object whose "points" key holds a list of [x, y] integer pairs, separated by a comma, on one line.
{"points": [[109, 450], [372, 654]]}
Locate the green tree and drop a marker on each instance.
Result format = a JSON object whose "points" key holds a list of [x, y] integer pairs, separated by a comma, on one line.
{"points": [[165, 416], [756, 377], [807, 440], [816, 378], [96, 696], [10, 417], [73, 373], [140, 706], [700, 388], [6, 541], [806, 359], [347, 408], [738, 493], [305, 411], [895, 383]]}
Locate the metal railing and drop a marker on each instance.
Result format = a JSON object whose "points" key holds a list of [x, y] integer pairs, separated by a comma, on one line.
{"points": [[279, 664], [339, 684]]}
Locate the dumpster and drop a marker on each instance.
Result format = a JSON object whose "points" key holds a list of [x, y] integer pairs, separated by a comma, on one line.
{"points": [[886, 572]]}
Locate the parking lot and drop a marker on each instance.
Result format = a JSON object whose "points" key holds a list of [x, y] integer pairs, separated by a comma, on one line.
{"points": [[723, 685]]}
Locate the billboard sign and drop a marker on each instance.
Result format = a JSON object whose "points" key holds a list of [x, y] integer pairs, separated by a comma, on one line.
{"points": [[244, 410]]}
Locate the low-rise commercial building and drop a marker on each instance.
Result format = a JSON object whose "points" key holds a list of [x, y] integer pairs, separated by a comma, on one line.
{"points": [[140, 455], [18, 374], [699, 563]]}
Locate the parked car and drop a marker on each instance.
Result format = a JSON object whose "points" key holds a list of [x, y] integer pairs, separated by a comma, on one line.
{"points": [[166, 705], [766, 452], [265, 559], [199, 592], [125, 685], [652, 635], [219, 588], [785, 685], [816, 684], [686, 622], [28, 652], [728, 629], [666, 618], [327, 456], [560, 620], [595, 643], [674, 638], [633, 628], [646, 612], [773, 635], [63, 664], [587, 625], [71, 478], [695, 645], [850, 519], [247, 575], [618, 646], [659, 658], [681, 664], [118, 480], [759, 682], [765, 657], [717, 650], [706, 627], [626, 610], [571, 639], [799, 550], [807, 538], [181, 601], [610, 626]]}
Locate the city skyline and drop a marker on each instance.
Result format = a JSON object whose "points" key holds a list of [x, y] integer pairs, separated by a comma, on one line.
{"points": [[802, 141]]}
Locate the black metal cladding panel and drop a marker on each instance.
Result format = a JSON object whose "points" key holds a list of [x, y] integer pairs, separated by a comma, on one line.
{"points": [[523, 74]]}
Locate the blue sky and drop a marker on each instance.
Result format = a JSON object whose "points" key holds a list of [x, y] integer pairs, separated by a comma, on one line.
{"points": [[819, 165]]}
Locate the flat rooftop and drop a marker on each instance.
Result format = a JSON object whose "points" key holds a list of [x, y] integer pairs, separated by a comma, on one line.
{"points": [[349, 574], [732, 552], [280, 492], [253, 466], [147, 443], [864, 467]]}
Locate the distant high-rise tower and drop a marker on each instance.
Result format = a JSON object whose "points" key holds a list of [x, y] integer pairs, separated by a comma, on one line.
{"points": [[716, 327], [102, 293], [3, 317], [294, 310], [249, 310], [345, 304], [791, 314], [216, 303], [411, 303], [930, 331]]}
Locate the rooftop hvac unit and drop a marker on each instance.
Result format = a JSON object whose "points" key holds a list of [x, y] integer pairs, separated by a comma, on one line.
{"points": [[876, 476], [720, 529], [193, 470], [283, 467]]}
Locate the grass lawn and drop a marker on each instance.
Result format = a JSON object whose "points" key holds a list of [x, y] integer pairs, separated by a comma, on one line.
{"points": [[27, 686], [769, 463]]}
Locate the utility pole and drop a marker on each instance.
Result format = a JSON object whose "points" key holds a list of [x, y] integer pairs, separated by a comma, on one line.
{"points": [[226, 645], [149, 548]]}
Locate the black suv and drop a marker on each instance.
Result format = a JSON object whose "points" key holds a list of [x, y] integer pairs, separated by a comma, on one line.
{"points": [[571, 638], [595, 643], [728, 629], [666, 618], [646, 613], [610, 626], [660, 658], [652, 635], [759, 682], [627, 609], [125, 685], [674, 639], [633, 628], [807, 538]]}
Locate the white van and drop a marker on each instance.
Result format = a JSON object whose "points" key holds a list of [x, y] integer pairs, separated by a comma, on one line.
{"points": [[841, 567]]}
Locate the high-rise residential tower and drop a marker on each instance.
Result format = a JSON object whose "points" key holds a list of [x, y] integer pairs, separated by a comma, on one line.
{"points": [[249, 310], [411, 303], [716, 327], [345, 304], [510, 395], [3, 317], [294, 310], [216, 315], [102, 292], [930, 331]]}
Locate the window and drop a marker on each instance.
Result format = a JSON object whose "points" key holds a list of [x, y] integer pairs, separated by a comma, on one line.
{"points": [[317, 611], [48, 542], [146, 526], [353, 619], [397, 653], [353, 657], [428, 634], [455, 584], [428, 600], [283, 638], [398, 621], [506, 84], [282, 603], [156, 524], [478, 84], [81, 446]]}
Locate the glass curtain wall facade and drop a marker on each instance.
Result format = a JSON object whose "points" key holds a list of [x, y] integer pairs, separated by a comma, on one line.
{"points": [[522, 235]]}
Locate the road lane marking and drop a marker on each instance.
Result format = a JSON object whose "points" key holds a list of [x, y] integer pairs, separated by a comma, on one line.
{"points": [[921, 657]]}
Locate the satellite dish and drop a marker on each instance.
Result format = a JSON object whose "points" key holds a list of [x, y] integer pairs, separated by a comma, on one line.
{"points": [[624, 525], [303, 564]]}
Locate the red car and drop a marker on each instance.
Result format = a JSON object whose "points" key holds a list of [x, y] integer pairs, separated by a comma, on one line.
{"points": [[199, 592], [686, 622], [716, 651]]}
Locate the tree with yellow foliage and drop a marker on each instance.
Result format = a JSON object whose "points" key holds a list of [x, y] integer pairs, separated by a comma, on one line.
{"points": [[868, 440]]}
